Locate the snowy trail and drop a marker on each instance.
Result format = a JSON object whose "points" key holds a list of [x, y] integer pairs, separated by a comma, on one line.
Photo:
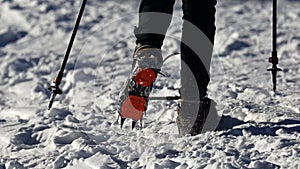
{"points": [[81, 130]]}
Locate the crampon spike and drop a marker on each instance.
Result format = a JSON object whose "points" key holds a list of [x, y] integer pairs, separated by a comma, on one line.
{"points": [[122, 121], [133, 124]]}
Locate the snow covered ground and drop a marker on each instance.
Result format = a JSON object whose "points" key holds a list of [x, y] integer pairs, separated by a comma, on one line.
{"points": [[81, 130]]}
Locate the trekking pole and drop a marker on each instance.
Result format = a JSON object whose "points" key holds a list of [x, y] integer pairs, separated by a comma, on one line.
{"points": [[274, 59], [54, 87]]}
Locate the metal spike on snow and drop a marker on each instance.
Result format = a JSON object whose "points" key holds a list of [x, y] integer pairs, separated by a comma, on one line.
{"points": [[141, 123], [133, 123], [54, 87], [274, 59], [122, 121]]}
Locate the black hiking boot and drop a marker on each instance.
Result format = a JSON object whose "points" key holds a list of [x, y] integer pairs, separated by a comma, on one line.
{"points": [[194, 125]]}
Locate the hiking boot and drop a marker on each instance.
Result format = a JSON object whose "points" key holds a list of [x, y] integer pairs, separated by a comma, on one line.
{"points": [[135, 94], [193, 125]]}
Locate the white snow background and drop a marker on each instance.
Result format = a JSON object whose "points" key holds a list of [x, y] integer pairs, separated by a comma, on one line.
{"points": [[80, 131]]}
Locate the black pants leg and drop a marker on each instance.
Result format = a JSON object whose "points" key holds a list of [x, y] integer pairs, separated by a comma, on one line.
{"points": [[154, 19], [196, 51]]}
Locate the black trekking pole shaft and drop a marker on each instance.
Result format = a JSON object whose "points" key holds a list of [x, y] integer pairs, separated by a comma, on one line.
{"points": [[67, 54], [274, 59], [274, 52], [275, 26], [54, 87]]}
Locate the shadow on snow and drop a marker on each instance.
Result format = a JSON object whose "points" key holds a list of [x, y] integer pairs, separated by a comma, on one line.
{"points": [[233, 126]]}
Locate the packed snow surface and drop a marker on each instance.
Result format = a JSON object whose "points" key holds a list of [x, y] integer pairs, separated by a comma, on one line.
{"points": [[81, 130]]}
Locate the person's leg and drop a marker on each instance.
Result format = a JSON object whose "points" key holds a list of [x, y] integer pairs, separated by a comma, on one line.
{"points": [[196, 51], [154, 19]]}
